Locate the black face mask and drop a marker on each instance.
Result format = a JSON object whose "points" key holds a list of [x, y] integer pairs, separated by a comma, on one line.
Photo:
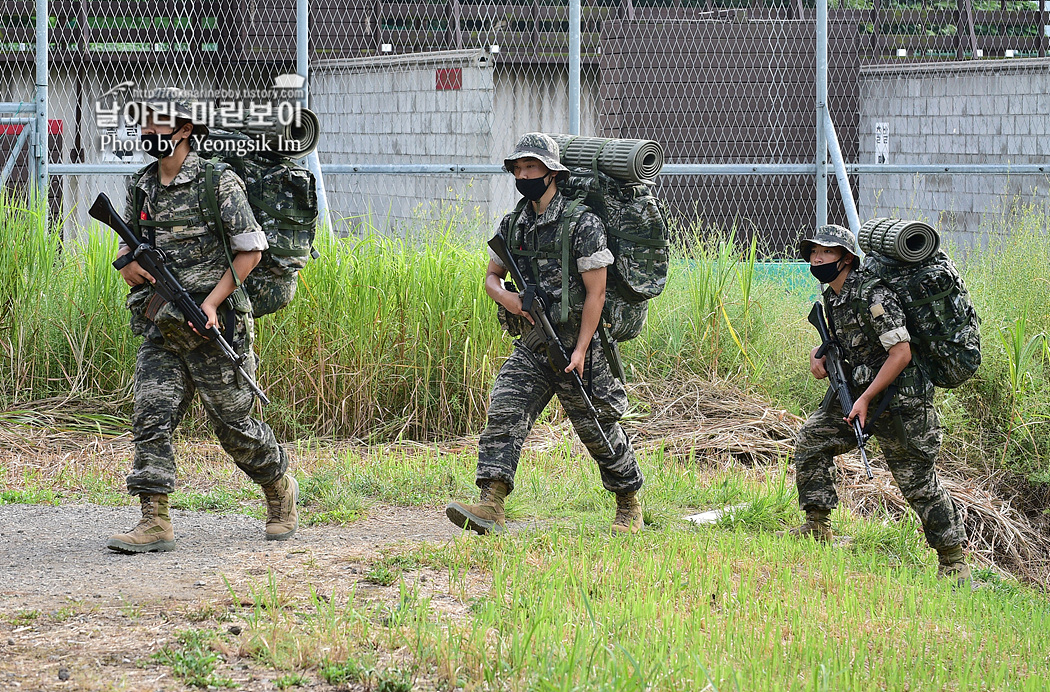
{"points": [[532, 188], [826, 273], [156, 145]]}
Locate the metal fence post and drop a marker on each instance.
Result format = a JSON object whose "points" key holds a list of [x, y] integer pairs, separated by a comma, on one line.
{"points": [[302, 67], [822, 105], [40, 148], [848, 201], [574, 67]]}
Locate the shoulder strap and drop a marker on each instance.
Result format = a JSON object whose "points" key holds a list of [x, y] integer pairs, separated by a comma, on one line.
{"points": [[139, 201], [569, 219], [206, 191]]}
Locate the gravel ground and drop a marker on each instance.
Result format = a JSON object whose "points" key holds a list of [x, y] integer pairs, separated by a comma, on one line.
{"points": [[77, 616], [51, 554]]}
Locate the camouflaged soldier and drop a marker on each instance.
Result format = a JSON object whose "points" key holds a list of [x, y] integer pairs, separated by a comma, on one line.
{"points": [[527, 381], [888, 387], [173, 361]]}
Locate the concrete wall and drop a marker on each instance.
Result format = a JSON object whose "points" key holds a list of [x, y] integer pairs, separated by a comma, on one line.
{"points": [[992, 111], [388, 109]]}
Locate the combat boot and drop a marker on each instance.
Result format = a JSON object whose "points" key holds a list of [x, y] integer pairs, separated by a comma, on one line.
{"points": [[628, 517], [153, 534], [816, 526], [282, 517], [485, 517], [951, 564]]}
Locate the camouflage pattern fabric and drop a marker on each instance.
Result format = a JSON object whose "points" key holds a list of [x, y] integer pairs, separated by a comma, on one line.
{"points": [[864, 309], [539, 146], [829, 235], [541, 234], [173, 362], [908, 433], [165, 383], [524, 386], [173, 213]]}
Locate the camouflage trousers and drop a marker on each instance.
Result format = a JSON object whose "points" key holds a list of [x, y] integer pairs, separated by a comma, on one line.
{"points": [[525, 385], [165, 383], [910, 437]]}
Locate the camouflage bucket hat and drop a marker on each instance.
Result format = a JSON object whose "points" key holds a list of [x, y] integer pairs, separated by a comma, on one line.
{"points": [[537, 145], [174, 102], [830, 235]]}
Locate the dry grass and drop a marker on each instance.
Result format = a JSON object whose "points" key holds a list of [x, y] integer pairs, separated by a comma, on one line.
{"points": [[713, 422]]}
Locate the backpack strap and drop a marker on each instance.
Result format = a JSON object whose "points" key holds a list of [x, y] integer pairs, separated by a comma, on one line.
{"points": [[146, 228], [138, 196], [569, 219], [210, 209], [562, 247]]}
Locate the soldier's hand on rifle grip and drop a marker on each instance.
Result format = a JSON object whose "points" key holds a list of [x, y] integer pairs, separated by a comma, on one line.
{"points": [[512, 302], [859, 411], [133, 273], [816, 365], [212, 313]]}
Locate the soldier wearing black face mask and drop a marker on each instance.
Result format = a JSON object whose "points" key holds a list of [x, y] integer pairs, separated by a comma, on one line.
{"points": [[544, 241], [894, 402], [174, 363]]}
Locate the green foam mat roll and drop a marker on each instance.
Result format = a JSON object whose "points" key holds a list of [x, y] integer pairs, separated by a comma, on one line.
{"points": [[904, 241], [632, 160]]}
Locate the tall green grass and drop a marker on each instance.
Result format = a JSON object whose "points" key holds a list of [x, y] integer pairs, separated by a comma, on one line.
{"points": [[395, 337]]}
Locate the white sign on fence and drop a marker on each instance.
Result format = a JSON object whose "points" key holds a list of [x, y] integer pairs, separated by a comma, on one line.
{"points": [[882, 142]]}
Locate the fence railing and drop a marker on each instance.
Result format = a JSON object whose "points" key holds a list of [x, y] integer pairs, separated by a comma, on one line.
{"points": [[202, 31]]}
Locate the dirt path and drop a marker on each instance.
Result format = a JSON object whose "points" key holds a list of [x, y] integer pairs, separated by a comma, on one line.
{"points": [[76, 616], [49, 554]]}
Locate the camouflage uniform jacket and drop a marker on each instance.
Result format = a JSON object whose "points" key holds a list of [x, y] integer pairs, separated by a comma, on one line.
{"points": [[172, 215], [864, 308], [536, 243]]}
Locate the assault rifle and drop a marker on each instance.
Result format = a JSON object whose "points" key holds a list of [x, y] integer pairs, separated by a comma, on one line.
{"points": [[168, 287], [535, 302], [835, 365]]}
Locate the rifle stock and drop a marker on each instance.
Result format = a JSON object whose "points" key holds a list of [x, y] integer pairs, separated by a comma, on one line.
{"points": [[164, 283], [534, 303], [834, 364]]}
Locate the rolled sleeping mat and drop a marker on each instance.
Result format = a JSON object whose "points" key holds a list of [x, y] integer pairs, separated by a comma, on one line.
{"points": [[630, 160], [904, 241], [295, 140]]}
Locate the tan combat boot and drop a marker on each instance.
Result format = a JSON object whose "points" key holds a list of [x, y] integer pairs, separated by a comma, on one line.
{"points": [[817, 526], [485, 517], [951, 564], [628, 517], [282, 518], [153, 534]]}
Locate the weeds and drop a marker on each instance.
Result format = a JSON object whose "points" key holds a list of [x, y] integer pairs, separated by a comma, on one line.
{"points": [[394, 338], [194, 663], [290, 680]]}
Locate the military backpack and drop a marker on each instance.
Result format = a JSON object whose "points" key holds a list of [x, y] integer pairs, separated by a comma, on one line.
{"points": [[637, 236], [283, 198], [941, 318]]}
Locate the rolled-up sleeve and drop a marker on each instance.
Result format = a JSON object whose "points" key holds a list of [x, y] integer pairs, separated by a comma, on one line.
{"points": [[602, 258], [495, 258], [894, 337], [249, 242], [238, 221], [887, 317]]}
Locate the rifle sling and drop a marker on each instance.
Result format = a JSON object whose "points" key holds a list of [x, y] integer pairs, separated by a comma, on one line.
{"points": [[884, 403]]}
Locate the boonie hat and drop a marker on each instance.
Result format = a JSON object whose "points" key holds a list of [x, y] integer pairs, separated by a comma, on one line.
{"points": [[537, 145], [831, 235], [172, 101]]}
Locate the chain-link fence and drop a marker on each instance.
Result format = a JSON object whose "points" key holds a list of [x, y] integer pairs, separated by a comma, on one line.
{"points": [[420, 101]]}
